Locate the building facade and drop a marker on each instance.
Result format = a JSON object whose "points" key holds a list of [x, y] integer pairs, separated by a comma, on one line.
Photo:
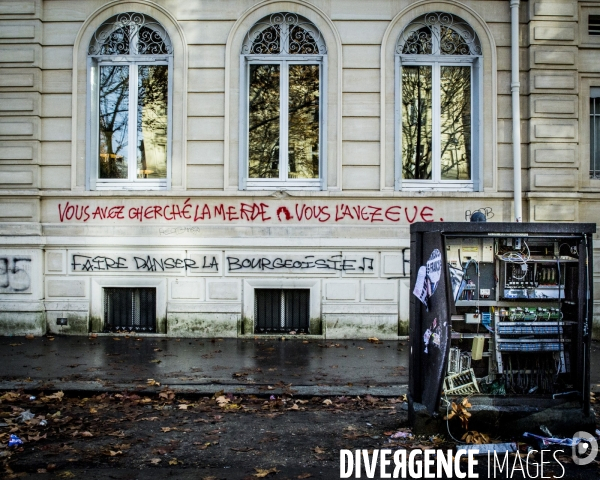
{"points": [[236, 167]]}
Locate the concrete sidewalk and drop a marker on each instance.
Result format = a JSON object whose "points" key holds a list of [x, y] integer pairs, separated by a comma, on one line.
{"points": [[251, 366]]}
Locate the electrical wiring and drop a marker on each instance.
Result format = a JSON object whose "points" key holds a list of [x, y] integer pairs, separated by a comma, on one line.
{"points": [[520, 258], [448, 420]]}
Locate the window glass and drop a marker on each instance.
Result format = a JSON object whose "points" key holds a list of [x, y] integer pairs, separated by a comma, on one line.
{"points": [[416, 122], [455, 106], [152, 121], [114, 121], [264, 120], [303, 141]]}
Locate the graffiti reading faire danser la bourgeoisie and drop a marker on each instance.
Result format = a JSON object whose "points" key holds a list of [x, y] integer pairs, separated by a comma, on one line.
{"points": [[234, 263]]}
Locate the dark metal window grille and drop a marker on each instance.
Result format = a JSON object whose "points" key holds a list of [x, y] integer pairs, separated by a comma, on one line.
{"points": [[595, 137], [282, 310], [130, 309], [594, 25]]}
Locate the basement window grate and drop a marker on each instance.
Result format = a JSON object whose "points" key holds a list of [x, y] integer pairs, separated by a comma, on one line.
{"points": [[594, 25], [130, 310], [282, 310]]}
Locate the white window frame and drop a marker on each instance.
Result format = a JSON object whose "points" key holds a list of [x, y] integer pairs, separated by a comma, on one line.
{"points": [[284, 60], [94, 62], [436, 61], [593, 118]]}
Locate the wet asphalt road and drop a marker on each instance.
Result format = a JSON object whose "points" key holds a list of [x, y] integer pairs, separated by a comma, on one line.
{"points": [[312, 367]]}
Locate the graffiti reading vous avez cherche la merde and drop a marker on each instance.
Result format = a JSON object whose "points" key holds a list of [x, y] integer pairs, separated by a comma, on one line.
{"points": [[253, 212]]}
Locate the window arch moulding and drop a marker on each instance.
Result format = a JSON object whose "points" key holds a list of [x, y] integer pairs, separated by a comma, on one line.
{"points": [[126, 78], [283, 79], [297, 52], [442, 141]]}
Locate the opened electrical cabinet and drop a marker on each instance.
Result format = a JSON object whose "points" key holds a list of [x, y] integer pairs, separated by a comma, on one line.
{"points": [[501, 313]]}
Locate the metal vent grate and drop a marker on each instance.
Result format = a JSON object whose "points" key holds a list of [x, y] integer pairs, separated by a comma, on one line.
{"points": [[130, 309], [594, 25], [281, 310]]}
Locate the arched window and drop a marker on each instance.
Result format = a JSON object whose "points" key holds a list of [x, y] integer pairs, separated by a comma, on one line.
{"points": [[130, 63], [282, 133], [438, 58]]}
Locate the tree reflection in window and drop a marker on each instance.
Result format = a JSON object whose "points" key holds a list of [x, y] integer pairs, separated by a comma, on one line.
{"points": [[455, 128], [437, 53], [133, 97], [152, 121], [263, 131], [114, 121], [284, 94], [416, 122]]}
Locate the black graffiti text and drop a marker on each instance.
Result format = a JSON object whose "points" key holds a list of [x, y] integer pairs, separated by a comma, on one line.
{"points": [[14, 274], [83, 263], [153, 264], [335, 263], [487, 211]]}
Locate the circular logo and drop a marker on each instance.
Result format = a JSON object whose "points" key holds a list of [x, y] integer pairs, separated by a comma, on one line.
{"points": [[580, 451]]}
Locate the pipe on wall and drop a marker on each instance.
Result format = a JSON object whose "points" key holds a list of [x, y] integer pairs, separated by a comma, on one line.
{"points": [[516, 109]]}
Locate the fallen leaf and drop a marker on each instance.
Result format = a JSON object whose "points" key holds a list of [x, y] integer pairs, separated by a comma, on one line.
{"points": [[155, 361], [165, 429], [163, 450], [55, 396], [174, 461], [15, 344], [304, 475], [372, 339], [65, 474], [153, 383], [327, 402], [319, 450], [242, 449], [183, 406], [29, 336], [261, 473], [112, 453], [155, 461]]}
